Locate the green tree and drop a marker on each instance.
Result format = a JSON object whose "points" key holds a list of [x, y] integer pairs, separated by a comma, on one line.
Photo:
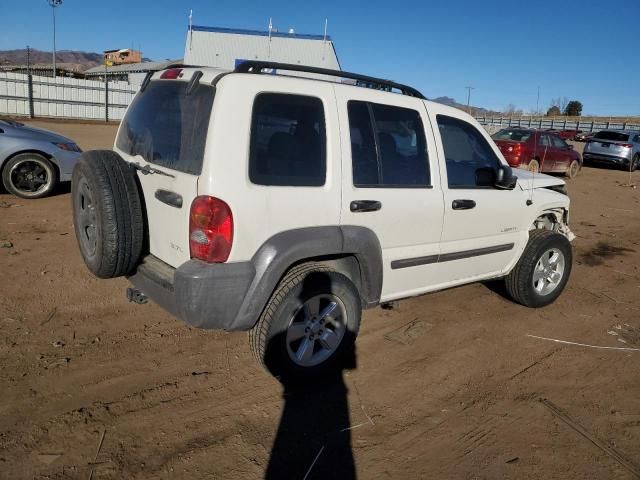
{"points": [[573, 109], [553, 111]]}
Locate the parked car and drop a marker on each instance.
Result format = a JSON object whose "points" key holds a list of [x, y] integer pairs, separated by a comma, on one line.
{"points": [[564, 134], [538, 151], [34, 160], [615, 147], [286, 205], [584, 136]]}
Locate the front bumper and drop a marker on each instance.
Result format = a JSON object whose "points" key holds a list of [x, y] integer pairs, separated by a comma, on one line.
{"points": [[202, 295]]}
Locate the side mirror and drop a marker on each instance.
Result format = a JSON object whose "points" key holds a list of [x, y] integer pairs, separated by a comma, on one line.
{"points": [[505, 180]]}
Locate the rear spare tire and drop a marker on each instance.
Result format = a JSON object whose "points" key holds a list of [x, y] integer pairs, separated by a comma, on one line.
{"points": [[107, 213]]}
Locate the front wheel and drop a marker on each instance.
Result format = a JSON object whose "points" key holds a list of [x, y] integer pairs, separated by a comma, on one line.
{"points": [[29, 175], [574, 168], [309, 325], [543, 270]]}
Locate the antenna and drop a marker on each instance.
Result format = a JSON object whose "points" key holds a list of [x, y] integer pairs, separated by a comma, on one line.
{"points": [[190, 28], [270, 29], [326, 21]]}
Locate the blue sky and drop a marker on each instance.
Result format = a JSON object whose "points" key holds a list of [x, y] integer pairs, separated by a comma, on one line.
{"points": [[581, 49]]}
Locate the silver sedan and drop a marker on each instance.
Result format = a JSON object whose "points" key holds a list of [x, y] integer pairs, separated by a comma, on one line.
{"points": [[33, 161]]}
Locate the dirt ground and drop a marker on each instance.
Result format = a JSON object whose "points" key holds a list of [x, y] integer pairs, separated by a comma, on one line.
{"points": [[449, 385]]}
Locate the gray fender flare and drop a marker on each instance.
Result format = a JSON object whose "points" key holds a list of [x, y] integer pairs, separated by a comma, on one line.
{"points": [[285, 249]]}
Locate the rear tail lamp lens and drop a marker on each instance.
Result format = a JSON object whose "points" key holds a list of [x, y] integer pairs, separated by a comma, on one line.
{"points": [[626, 145], [171, 74], [210, 229]]}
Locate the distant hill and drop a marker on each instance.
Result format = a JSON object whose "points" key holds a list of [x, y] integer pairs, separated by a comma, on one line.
{"points": [[69, 59]]}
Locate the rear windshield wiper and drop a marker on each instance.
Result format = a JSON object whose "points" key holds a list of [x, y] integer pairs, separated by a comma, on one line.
{"points": [[146, 170]]}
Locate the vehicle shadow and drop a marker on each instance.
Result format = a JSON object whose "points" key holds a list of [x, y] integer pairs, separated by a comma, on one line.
{"points": [[313, 440]]}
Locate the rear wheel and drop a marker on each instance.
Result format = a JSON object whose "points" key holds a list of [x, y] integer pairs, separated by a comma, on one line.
{"points": [[574, 168], [534, 166], [29, 175], [635, 162], [309, 325], [543, 270], [107, 213]]}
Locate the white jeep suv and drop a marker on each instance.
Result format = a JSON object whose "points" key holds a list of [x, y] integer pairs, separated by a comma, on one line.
{"points": [[285, 203]]}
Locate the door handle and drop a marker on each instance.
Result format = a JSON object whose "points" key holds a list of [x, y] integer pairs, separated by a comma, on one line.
{"points": [[463, 204], [365, 206]]}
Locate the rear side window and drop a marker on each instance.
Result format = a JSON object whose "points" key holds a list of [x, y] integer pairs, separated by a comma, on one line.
{"points": [[470, 159], [388, 146], [168, 127], [544, 141], [288, 141], [614, 136]]}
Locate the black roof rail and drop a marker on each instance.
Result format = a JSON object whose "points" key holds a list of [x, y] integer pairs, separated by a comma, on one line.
{"points": [[256, 66]]}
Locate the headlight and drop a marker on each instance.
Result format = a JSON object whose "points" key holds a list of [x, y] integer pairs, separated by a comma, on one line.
{"points": [[69, 147]]}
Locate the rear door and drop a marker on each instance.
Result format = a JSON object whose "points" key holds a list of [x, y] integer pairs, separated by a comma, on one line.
{"points": [[164, 132], [391, 184], [544, 153]]}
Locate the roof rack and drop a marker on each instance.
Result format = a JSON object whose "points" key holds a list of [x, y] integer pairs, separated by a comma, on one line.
{"points": [[257, 66]]}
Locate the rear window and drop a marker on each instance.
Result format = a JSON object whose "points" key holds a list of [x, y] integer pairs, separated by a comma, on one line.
{"points": [[512, 135], [613, 136], [167, 127]]}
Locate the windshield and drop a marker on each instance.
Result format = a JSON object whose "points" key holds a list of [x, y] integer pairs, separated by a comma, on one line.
{"points": [[614, 136], [512, 135], [167, 127]]}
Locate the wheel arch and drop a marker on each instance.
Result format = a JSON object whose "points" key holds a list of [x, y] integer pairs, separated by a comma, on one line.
{"points": [[42, 153], [351, 250]]}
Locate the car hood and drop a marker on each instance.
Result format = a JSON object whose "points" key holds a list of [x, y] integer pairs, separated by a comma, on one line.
{"points": [[34, 133], [528, 180]]}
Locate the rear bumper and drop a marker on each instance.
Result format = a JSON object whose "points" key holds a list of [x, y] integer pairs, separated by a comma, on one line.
{"points": [[600, 157], [202, 295]]}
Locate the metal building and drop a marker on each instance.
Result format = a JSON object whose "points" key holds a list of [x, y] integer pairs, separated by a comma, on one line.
{"points": [[227, 47]]}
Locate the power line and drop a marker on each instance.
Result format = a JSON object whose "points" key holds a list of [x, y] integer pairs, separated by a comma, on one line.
{"points": [[469, 98]]}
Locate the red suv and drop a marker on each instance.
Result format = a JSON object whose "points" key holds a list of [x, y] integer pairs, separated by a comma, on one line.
{"points": [[538, 151]]}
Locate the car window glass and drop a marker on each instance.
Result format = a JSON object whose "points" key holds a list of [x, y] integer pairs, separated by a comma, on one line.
{"points": [[614, 136], [167, 127], [288, 141], [388, 146], [471, 162], [544, 141], [558, 142]]}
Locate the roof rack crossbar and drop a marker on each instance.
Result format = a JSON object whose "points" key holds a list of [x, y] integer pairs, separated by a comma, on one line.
{"points": [[257, 66]]}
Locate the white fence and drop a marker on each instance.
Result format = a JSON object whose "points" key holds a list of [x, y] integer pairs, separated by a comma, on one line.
{"points": [[62, 97], [556, 123]]}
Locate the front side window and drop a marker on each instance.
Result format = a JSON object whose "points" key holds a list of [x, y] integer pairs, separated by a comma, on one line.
{"points": [[388, 146], [558, 142], [471, 162], [167, 125], [288, 141]]}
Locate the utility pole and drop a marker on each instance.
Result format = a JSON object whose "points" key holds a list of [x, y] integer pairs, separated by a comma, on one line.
{"points": [[54, 4], [469, 99]]}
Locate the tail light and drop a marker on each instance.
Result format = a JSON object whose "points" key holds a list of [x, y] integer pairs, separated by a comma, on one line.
{"points": [[171, 74], [626, 145], [210, 230], [517, 148]]}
